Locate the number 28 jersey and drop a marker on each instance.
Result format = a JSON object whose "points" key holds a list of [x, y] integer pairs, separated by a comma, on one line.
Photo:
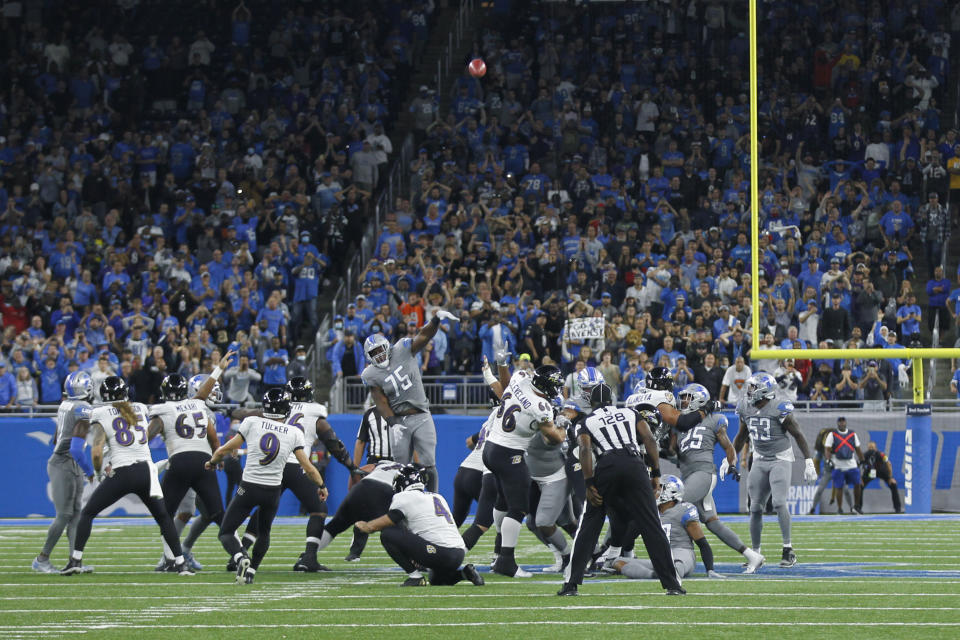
{"points": [[128, 442], [520, 414], [184, 425], [765, 426], [269, 443], [304, 416], [400, 381]]}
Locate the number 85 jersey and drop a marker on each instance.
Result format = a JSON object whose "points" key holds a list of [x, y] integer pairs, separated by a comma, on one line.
{"points": [[520, 415], [128, 442]]}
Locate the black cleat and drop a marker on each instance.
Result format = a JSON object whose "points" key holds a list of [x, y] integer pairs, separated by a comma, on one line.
{"points": [[243, 571], [183, 569], [231, 565], [469, 572], [308, 564], [789, 558], [164, 566], [352, 557], [73, 566], [415, 582], [568, 590], [677, 592]]}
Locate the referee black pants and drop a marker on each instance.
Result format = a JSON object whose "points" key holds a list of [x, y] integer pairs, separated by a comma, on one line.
{"points": [[266, 500], [623, 483]]}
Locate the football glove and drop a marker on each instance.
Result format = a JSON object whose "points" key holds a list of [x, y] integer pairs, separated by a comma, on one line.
{"points": [[724, 468], [809, 471], [443, 314], [735, 474], [502, 358]]}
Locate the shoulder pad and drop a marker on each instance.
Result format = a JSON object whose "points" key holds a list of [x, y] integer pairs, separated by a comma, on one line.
{"points": [[322, 410], [405, 343], [785, 409], [82, 412], [691, 513], [722, 421]]}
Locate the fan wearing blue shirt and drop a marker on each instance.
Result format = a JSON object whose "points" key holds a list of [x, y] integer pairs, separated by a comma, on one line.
{"points": [[275, 361], [908, 319], [896, 223], [276, 323]]}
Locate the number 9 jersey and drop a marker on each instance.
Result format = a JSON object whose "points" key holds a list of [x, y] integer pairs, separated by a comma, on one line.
{"points": [[269, 444], [520, 415], [128, 442]]}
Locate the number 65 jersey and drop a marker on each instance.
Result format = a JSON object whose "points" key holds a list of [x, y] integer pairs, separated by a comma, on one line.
{"points": [[765, 426], [128, 442], [184, 425], [400, 380], [520, 414], [269, 444]]}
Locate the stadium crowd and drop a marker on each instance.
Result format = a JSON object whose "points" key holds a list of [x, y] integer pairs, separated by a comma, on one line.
{"points": [[180, 177], [601, 168]]}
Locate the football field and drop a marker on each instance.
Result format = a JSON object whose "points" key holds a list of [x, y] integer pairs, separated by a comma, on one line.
{"points": [[870, 576]]}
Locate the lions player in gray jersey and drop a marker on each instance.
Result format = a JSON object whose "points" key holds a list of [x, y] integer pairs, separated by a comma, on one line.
{"points": [[694, 450], [68, 466], [393, 376], [681, 523], [768, 420]]}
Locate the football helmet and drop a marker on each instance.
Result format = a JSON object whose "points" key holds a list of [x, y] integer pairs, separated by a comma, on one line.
{"points": [[377, 349], [114, 389], [587, 379], [601, 396], [409, 478], [696, 397], [215, 397], [671, 488], [276, 403], [547, 380], [300, 389], [78, 386], [759, 387], [660, 379], [173, 387]]}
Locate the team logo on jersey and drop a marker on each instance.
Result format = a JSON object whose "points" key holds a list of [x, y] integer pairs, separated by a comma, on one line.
{"points": [[577, 466], [240, 491], [431, 548], [516, 459]]}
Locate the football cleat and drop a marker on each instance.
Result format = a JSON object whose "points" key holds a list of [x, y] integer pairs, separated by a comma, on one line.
{"points": [[231, 565], [677, 592], [183, 569], [74, 566], [608, 566], [789, 558], [43, 566], [754, 560], [309, 564], [557, 565], [469, 572], [415, 582], [162, 564], [568, 590], [191, 561], [248, 577], [857, 511], [352, 557], [510, 569], [243, 565]]}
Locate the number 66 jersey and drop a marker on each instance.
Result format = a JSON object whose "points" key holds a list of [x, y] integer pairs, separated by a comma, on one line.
{"points": [[269, 444], [128, 442], [520, 415]]}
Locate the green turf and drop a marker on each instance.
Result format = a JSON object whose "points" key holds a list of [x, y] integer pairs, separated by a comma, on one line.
{"points": [[124, 598]]}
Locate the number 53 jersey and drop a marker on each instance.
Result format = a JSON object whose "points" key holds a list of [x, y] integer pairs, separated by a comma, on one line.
{"points": [[128, 442], [520, 414], [765, 426], [400, 380], [269, 444]]}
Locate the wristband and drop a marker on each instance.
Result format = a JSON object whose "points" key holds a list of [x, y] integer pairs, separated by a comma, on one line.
{"points": [[488, 376], [589, 482], [216, 373], [655, 473]]}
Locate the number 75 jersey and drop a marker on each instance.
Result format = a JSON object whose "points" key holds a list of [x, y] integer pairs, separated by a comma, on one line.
{"points": [[400, 380], [128, 442], [765, 426]]}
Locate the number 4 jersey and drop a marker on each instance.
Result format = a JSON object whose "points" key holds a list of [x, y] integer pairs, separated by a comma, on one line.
{"points": [[184, 425], [520, 415], [765, 425], [400, 381], [428, 516], [128, 442], [269, 444]]}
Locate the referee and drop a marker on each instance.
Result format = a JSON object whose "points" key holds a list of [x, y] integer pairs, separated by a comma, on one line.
{"points": [[619, 485], [374, 437]]}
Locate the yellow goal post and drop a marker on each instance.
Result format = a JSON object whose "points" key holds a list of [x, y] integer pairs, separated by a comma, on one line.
{"points": [[915, 355]]}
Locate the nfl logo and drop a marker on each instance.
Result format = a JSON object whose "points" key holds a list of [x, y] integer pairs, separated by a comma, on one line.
{"points": [[431, 548]]}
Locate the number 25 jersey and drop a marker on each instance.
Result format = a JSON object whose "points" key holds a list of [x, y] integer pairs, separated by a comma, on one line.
{"points": [[520, 414], [128, 442], [269, 444], [400, 381]]}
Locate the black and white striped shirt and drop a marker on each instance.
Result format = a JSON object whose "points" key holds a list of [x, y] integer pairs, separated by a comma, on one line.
{"points": [[375, 432], [611, 429]]}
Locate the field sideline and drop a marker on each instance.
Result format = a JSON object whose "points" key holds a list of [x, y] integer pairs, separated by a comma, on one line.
{"points": [[889, 576]]}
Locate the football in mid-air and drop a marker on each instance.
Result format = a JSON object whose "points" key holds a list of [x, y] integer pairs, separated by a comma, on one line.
{"points": [[477, 68]]}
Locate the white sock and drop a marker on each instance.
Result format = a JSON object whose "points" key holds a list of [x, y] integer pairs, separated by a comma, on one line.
{"points": [[325, 539], [76, 555], [414, 574], [510, 532], [178, 560], [612, 552], [237, 556]]}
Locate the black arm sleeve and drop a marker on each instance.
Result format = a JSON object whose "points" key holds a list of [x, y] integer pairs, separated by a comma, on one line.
{"points": [[688, 421], [336, 448], [706, 553], [396, 516]]}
